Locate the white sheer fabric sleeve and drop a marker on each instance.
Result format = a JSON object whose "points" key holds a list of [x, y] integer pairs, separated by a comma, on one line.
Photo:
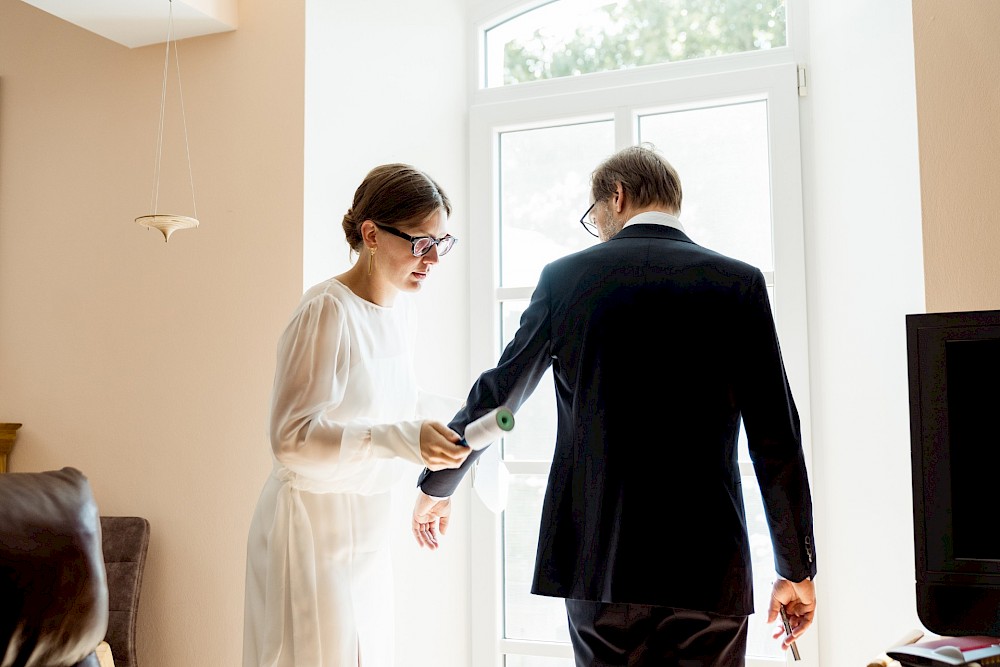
{"points": [[310, 380]]}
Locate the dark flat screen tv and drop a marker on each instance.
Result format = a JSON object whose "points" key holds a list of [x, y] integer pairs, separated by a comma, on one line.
{"points": [[954, 387]]}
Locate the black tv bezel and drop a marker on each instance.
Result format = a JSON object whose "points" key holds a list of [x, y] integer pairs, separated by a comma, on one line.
{"points": [[955, 596]]}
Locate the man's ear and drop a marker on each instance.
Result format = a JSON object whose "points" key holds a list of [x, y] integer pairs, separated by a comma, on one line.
{"points": [[618, 200]]}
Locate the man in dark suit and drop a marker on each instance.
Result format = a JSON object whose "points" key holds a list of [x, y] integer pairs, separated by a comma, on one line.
{"points": [[659, 347]]}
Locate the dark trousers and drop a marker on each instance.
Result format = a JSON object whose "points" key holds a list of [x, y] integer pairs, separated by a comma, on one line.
{"points": [[641, 635]]}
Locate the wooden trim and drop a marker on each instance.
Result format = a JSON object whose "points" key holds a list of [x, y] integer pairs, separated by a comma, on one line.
{"points": [[8, 434]]}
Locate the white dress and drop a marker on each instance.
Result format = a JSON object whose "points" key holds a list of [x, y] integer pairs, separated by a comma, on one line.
{"points": [[344, 428]]}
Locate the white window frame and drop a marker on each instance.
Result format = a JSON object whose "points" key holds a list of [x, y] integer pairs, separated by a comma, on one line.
{"points": [[770, 75]]}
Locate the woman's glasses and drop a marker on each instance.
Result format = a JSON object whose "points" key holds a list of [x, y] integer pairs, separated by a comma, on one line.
{"points": [[422, 244]]}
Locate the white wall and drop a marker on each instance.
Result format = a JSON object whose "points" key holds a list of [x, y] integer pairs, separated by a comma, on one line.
{"points": [[864, 273], [387, 82]]}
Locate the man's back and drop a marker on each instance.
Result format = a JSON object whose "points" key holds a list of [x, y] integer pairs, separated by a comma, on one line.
{"points": [[657, 346], [658, 349]]}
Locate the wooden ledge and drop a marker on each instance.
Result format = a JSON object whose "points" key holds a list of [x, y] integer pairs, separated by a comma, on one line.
{"points": [[8, 433]]}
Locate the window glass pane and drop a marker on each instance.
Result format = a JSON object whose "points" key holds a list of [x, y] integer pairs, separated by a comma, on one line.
{"points": [[544, 191], [573, 37], [742, 448], [527, 616], [721, 155], [760, 643], [534, 439], [535, 661]]}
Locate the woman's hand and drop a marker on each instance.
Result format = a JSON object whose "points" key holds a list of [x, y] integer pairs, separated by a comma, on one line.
{"points": [[430, 515], [439, 446]]}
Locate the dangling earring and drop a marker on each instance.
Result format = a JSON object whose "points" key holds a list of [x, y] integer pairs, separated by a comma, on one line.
{"points": [[371, 260]]}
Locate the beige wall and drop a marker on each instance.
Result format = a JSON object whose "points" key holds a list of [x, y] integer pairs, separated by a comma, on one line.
{"points": [[958, 107], [148, 364]]}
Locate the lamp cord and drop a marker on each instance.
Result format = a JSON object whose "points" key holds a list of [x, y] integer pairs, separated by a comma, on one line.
{"points": [[155, 198]]}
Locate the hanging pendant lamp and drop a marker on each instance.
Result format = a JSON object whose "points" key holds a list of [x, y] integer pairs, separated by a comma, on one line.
{"points": [[168, 223]]}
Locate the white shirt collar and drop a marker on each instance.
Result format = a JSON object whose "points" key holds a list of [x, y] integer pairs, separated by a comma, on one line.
{"points": [[655, 218]]}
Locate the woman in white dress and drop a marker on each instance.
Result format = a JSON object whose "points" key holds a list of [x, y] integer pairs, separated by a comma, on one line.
{"points": [[345, 424]]}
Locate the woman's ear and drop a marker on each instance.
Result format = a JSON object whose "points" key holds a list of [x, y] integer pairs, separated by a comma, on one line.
{"points": [[369, 232]]}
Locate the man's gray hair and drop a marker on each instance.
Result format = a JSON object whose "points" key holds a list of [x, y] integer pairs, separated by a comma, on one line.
{"points": [[645, 175]]}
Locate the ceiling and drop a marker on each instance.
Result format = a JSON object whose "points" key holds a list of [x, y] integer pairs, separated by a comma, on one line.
{"points": [[134, 23]]}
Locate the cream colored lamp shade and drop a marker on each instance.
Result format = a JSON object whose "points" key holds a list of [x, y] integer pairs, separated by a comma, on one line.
{"points": [[168, 223]]}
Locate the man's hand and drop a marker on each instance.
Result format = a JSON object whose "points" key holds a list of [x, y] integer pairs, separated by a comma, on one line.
{"points": [[429, 517], [439, 446], [799, 601]]}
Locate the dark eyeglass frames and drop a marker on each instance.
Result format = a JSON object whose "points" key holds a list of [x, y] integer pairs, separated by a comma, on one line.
{"points": [[588, 222], [422, 244]]}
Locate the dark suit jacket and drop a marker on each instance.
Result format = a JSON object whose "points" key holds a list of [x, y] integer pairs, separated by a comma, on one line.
{"points": [[658, 347]]}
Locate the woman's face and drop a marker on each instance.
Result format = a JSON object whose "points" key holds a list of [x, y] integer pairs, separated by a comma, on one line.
{"points": [[394, 257]]}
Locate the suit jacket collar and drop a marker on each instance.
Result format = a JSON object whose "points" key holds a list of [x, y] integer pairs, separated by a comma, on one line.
{"points": [[638, 231]]}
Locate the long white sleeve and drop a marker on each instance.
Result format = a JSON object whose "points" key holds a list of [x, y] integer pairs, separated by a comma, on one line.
{"points": [[312, 432]]}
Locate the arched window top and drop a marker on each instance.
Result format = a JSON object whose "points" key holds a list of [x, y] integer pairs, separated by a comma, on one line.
{"points": [[572, 37]]}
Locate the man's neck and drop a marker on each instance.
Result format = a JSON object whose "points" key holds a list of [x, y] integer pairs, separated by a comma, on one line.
{"points": [[630, 212]]}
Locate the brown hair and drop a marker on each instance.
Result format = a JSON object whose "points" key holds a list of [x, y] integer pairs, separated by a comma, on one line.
{"points": [[645, 175], [393, 195]]}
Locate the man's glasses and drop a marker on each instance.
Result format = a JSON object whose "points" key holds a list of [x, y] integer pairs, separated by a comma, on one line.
{"points": [[588, 221], [422, 244]]}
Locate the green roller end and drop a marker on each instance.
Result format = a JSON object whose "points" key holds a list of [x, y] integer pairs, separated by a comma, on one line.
{"points": [[505, 419]]}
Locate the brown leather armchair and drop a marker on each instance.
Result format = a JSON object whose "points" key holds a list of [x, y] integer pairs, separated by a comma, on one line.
{"points": [[53, 586]]}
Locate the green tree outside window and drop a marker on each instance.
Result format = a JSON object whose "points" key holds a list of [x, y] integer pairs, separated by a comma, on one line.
{"points": [[631, 33]]}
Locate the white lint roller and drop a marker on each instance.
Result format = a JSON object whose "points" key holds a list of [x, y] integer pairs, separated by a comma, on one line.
{"points": [[488, 428]]}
